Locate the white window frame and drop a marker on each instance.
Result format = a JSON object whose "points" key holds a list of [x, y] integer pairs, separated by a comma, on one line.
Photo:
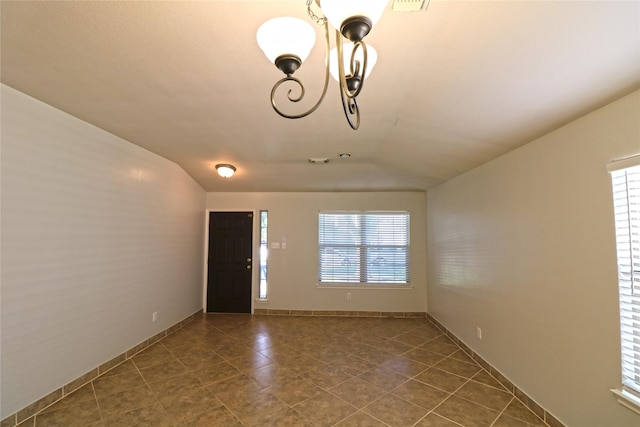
{"points": [[625, 176], [263, 255], [367, 269]]}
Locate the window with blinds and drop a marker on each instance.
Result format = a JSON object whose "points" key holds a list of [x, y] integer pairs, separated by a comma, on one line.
{"points": [[626, 196], [363, 248]]}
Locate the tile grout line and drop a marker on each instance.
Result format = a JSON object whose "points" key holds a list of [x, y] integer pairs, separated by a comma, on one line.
{"points": [[474, 356], [438, 415], [428, 366], [450, 356], [155, 396], [202, 387], [450, 393], [95, 396], [233, 413], [502, 412], [359, 340], [137, 348], [445, 357]]}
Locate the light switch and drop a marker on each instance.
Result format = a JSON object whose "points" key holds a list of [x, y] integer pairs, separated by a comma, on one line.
{"points": [[284, 245], [275, 245]]}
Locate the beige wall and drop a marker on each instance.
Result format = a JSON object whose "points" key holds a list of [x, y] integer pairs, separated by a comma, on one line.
{"points": [[97, 234], [524, 248], [293, 272]]}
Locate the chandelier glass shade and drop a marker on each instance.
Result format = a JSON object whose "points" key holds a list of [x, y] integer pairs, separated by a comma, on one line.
{"points": [[288, 41], [341, 13], [274, 38]]}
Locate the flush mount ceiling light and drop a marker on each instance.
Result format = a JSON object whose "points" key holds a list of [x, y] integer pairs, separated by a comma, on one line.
{"points": [[225, 171], [287, 42]]}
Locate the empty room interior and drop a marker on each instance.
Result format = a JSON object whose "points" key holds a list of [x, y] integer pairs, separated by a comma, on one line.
{"points": [[203, 227]]}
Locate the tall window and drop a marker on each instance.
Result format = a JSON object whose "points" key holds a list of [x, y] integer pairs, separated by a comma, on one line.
{"points": [[626, 194], [363, 248], [262, 293]]}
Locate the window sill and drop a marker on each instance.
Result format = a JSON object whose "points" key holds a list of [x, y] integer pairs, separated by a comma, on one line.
{"points": [[627, 400], [382, 286], [261, 300]]}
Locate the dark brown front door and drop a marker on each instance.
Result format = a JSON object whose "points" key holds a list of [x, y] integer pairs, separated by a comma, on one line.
{"points": [[230, 262]]}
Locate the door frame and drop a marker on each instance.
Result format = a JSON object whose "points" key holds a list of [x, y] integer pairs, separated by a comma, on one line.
{"points": [[255, 248]]}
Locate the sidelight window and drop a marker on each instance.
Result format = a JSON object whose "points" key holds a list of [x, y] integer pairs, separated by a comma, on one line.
{"points": [[262, 293]]}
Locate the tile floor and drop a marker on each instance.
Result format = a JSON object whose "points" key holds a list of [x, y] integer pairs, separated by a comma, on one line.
{"points": [[242, 370]]}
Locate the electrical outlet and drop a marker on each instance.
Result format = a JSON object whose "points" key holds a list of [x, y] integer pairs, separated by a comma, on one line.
{"points": [[348, 296], [479, 332], [154, 316]]}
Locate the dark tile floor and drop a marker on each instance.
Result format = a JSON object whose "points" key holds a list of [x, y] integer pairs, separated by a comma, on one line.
{"points": [[242, 370]]}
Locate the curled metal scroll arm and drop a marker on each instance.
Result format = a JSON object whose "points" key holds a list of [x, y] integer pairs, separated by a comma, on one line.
{"points": [[302, 89]]}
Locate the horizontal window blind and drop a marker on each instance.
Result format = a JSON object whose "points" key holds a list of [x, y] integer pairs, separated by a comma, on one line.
{"points": [[626, 195], [363, 247]]}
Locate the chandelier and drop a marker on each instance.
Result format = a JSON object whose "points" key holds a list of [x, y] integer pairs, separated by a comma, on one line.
{"points": [[287, 42]]}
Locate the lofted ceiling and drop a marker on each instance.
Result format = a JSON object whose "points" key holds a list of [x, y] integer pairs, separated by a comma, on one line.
{"points": [[455, 86]]}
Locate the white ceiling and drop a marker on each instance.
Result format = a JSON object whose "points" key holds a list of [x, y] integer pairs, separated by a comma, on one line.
{"points": [[454, 87]]}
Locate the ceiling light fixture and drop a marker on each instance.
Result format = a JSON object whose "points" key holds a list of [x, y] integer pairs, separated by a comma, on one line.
{"points": [[225, 171], [287, 42]]}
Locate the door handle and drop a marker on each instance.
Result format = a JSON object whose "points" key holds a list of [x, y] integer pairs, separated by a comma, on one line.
{"points": [[248, 259], [248, 267]]}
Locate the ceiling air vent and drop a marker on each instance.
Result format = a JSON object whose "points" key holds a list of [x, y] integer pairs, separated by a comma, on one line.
{"points": [[409, 5], [318, 160]]}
